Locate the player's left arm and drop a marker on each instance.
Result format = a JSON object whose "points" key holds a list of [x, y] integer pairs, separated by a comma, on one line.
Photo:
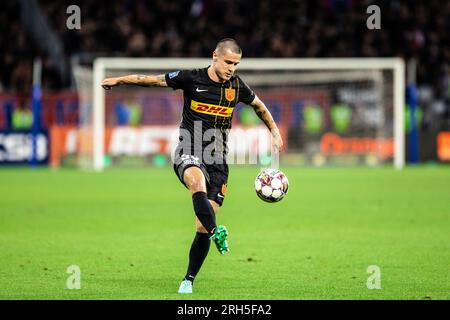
{"points": [[265, 115]]}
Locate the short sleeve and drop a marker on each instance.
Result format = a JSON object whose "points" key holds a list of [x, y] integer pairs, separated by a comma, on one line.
{"points": [[178, 79], [246, 94]]}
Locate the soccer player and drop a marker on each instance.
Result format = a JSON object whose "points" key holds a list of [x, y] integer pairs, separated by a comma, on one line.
{"points": [[210, 96]]}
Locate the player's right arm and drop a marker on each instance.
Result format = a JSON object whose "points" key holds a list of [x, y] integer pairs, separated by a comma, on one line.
{"points": [[136, 79]]}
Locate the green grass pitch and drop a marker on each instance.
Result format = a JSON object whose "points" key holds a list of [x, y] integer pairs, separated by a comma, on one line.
{"points": [[130, 231]]}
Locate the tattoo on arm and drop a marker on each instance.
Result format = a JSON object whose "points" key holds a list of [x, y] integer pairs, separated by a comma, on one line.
{"points": [[150, 81], [264, 115], [260, 113], [140, 77]]}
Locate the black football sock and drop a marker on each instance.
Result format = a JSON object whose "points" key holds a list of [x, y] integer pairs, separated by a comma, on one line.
{"points": [[197, 254], [204, 211]]}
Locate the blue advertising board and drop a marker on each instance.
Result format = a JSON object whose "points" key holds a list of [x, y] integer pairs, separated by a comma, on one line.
{"points": [[16, 147]]}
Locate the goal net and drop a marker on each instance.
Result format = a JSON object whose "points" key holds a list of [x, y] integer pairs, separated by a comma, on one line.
{"points": [[337, 112]]}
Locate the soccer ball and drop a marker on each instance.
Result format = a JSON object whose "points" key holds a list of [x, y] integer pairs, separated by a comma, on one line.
{"points": [[271, 185]]}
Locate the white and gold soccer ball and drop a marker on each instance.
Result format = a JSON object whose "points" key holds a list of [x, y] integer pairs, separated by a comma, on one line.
{"points": [[271, 185]]}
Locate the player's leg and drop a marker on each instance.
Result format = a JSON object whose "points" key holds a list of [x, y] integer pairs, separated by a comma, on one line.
{"points": [[198, 252], [199, 247], [198, 225], [195, 176], [217, 187], [195, 180]]}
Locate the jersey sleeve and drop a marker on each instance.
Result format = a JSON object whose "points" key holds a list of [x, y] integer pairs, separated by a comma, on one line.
{"points": [[178, 79], [246, 94]]}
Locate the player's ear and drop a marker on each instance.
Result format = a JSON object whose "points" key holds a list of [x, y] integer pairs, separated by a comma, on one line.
{"points": [[214, 56]]}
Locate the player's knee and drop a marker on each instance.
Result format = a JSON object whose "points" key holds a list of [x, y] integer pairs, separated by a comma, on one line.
{"points": [[197, 187], [195, 180]]}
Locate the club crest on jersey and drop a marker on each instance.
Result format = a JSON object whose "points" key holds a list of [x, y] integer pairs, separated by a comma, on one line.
{"points": [[230, 94]]}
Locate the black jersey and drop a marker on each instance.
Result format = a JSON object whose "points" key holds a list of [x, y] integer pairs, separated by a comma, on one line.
{"points": [[208, 105]]}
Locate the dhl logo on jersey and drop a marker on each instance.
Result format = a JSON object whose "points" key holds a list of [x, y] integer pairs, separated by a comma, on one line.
{"points": [[211, 109]]}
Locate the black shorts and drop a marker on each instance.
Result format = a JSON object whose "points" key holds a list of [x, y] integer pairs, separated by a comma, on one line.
{"points": [[216, 175]]}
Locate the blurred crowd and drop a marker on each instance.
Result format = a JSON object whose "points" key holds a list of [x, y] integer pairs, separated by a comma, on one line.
{"points": [[17, 53], [190, 28]]}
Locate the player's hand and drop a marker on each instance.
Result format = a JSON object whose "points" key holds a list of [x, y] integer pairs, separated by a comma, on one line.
{"points": [[108, 83], [277, 140]]}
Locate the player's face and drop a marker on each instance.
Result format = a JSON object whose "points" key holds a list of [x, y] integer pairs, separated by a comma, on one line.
{"points": [[225, 64]]}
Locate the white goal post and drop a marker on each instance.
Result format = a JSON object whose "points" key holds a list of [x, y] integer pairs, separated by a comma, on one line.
{"points": [[396, 65]]}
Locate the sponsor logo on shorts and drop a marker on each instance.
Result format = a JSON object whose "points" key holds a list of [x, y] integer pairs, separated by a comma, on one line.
{"points": [[189, 159]]}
